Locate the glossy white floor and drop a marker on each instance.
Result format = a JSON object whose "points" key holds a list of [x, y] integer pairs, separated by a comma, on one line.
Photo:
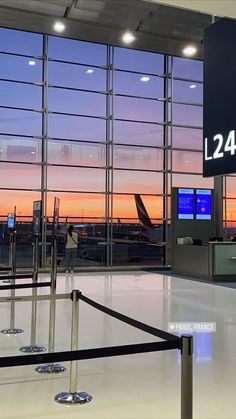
{"points": [[143, 386]]}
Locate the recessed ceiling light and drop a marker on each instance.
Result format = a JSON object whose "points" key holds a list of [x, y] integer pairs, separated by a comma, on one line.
{"points": [[59, 26], [192, 86], [32, 152], [189, 51], [31, 62], [89, 71], [186, 161], [128, 38], [145, 78]]}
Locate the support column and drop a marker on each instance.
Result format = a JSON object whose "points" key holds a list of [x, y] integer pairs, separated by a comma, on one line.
{"points": [[218, 206]]}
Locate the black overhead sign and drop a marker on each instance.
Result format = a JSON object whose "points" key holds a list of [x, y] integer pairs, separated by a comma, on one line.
{"points": [[219, 99]]}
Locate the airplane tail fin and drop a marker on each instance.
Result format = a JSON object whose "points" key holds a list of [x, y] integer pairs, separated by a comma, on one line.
{"points": [[143, 216]]}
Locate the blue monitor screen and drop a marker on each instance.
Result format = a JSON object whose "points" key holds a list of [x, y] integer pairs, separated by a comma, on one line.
{"points": [[203, 204], [185, 204], [11, 221]]}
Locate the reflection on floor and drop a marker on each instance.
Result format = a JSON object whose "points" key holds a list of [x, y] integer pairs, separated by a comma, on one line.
{"points": [[143, 386], [229, 284]]}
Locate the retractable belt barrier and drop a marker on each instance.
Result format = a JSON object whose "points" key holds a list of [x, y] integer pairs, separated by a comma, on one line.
{"points": [[17, 276], [25, 298], [20, 286], [5, 268], [142, 326], [83, 354], [13, 275], [12, 330], [185, 344]]}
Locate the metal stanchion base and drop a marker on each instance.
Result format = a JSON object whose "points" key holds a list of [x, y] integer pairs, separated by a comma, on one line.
{"points": [[32, 348], [50, 368], [73, 398], [12, 331]]}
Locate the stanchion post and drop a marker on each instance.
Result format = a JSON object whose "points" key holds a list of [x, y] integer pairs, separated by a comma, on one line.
{"points": [[35, 258], [12, 257], [52, 316], [34, 301], [12, 311], [13, 253], [54, 265], [74, 397], [186, 377], [32, 348], [74, 340], [52, 368], [12, 330]]}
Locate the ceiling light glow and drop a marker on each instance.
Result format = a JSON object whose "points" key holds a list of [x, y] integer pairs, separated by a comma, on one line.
{"points": [[31, 62], [128, 38], [189, 51], [192, 86], [145, 78], [59, 26], [89, 71]]}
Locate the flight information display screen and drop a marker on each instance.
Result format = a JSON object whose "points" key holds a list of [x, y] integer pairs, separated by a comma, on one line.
{"points": [[37, 217], [203, 204], [11, 221], [185, 204]]}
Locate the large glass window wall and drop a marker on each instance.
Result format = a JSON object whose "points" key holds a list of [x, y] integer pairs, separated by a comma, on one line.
{"points": [[107, 130], [229, 184]]}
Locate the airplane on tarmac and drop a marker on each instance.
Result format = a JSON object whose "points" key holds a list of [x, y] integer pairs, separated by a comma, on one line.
{"points": [[132, 245], [136, 246], [151, 233]]}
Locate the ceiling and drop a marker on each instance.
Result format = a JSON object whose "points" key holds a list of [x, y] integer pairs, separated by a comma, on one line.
{"points": [[157, 27], [222, 8]]}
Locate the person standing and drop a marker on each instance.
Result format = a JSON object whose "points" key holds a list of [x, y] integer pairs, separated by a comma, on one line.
{"points": [[71, 248]]}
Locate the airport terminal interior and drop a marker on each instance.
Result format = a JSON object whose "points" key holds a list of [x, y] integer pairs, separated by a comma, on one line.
{"points": [[107, 188]]}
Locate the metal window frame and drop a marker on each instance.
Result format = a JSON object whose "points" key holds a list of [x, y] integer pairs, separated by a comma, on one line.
{"points": [[166, 124]]}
